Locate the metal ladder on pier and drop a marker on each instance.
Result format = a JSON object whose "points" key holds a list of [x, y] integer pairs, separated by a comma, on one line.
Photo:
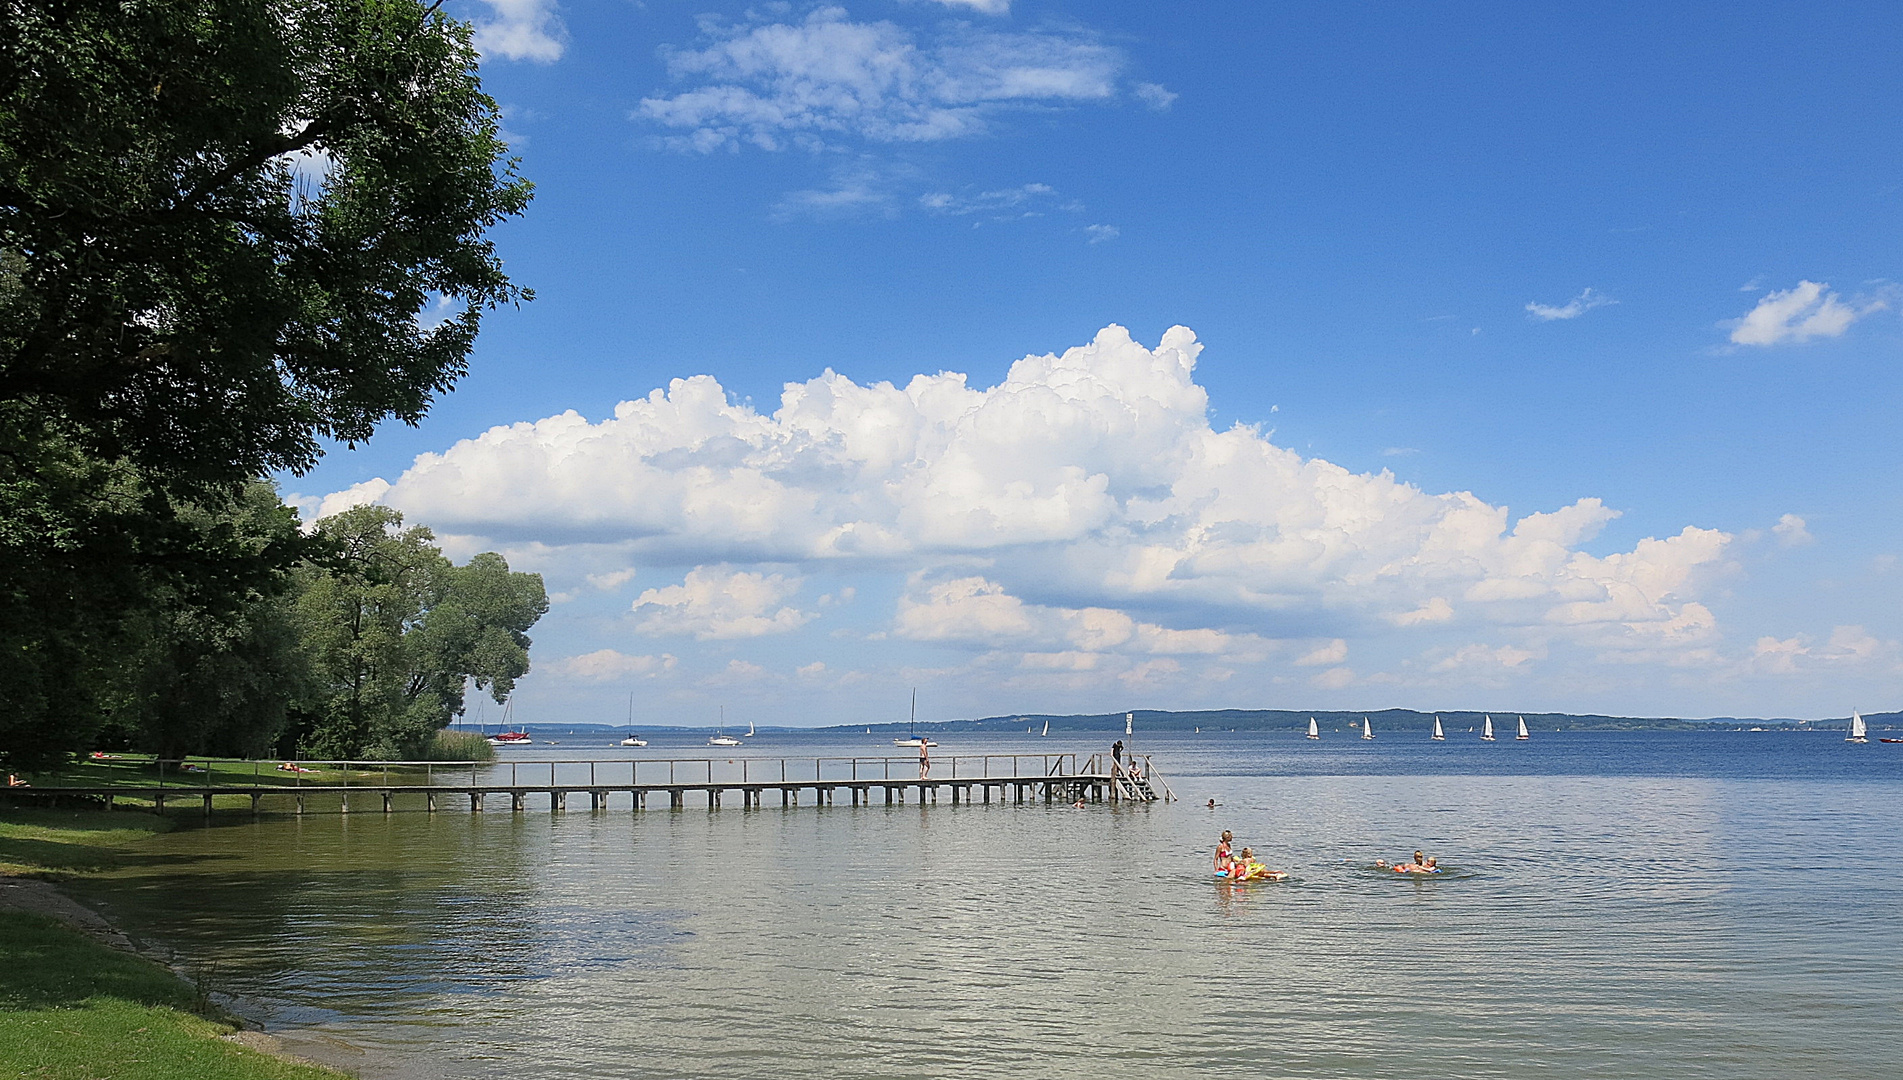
{"points": [[1138, 784]]}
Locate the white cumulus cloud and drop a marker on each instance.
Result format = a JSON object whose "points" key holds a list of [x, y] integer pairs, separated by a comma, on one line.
{"points": [[1792, 531], [827, 78], [1106, 514], [606, 665], [1799, 314], [1571, 309], [1155, 96], [1849, 646], [522, 30], [714, 603]]}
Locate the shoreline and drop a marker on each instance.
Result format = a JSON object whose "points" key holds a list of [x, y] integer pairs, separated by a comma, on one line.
{"points": [[43, 897]]}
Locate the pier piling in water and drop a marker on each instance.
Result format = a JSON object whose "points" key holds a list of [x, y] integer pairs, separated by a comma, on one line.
{"points": [[968, 779]]}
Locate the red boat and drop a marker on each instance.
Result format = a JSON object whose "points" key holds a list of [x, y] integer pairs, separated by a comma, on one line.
{"points": [[508, 738]]}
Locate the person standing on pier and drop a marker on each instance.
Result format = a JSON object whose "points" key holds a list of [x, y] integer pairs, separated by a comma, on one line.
{"points": [[1116, 754], [924, 759]]}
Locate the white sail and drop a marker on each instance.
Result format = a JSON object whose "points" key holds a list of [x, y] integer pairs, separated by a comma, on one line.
{"points": [[1047, 729], [1523, 734], [1859, 731], [1367, 729], [749, 729], [1486, 733], [1439, 735], [1313, 731]]}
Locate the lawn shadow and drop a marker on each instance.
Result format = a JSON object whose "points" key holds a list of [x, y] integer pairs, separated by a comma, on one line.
{"points": [[51, 965]]}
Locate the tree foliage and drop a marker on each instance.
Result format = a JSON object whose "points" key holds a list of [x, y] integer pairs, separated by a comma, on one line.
{"points": [[396, 632], [128, 600], [218, 672], [220, 220], [230, 230]]}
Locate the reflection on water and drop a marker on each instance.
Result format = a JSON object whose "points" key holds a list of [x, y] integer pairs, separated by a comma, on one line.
{"points": [[1647, 919]]}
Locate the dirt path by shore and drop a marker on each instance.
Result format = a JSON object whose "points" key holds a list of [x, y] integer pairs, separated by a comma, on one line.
{"points": [[44, 898]]}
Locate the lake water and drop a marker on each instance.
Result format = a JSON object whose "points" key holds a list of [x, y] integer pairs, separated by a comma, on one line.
{"points": [[1619, 905]]}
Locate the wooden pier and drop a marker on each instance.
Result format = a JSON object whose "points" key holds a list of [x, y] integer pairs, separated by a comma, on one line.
{"points": [[740, 782]]}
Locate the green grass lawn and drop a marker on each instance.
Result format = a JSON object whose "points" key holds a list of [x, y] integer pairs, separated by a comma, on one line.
{"points": [[47, 843], [73, 1009]]}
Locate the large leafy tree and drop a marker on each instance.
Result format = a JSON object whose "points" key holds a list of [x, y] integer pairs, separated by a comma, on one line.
{"points": [[396, 632], [230, 230], [221, 219], [213, 670]]}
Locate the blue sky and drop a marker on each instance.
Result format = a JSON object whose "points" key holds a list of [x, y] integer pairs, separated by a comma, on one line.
{"points": [[1626, 269]]}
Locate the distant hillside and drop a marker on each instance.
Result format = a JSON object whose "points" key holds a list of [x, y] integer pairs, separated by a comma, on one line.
{"points": [[1383, 720], [1279, 720]]}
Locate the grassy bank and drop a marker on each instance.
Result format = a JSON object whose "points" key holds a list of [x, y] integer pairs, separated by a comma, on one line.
{"points": [[450, 752], [36, 842], [74, 1009]]}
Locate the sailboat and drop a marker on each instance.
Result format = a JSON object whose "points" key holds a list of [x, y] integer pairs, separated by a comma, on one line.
{"points": [[1439, 735], [632, 739], [915, 739], [721, 738], [1367, 729], [749, 729], [1859, 732], [1522, 736], [1486, 733], [506, 737], [1047, 730], [1313, 731]]}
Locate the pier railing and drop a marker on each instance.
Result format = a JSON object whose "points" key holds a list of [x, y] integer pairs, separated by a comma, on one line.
{"points": [[1063, 777], [188, 775]]}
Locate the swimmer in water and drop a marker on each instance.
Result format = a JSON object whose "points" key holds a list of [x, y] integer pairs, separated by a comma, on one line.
{"points": [[1212, 804]]}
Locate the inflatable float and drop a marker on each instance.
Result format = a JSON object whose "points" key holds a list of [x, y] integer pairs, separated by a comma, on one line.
{"points": [[1257, 872]]}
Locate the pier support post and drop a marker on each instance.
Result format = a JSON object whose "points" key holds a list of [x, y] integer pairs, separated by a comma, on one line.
{"points": [[475, 802], [429, 802], [208, 804], [108, 802], [158, 802], [254, 803], [300, 804], [676, 799], [515, 801], [386, 802], [557, 801], [343, 803], [786, 797]]}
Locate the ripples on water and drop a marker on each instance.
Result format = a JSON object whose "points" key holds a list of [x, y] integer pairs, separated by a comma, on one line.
{"points": [[1628, 906]]}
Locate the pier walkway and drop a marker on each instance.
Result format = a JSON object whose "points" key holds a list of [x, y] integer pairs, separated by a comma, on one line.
{"points": [[744, 782]]}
